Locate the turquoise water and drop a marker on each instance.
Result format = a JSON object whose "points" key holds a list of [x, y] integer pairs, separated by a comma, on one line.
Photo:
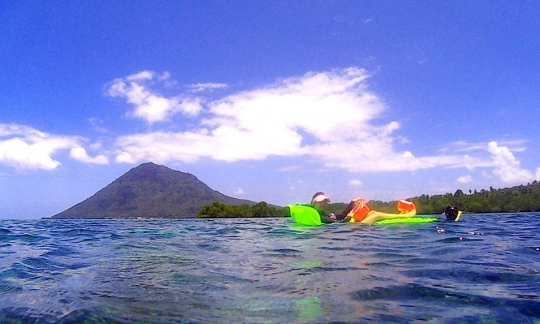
{"points": [[485, 268]]}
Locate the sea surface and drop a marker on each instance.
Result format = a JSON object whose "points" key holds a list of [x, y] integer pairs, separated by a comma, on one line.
{"points": [[483, 269]]}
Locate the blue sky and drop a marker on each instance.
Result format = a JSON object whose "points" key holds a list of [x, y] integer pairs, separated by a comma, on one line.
{"points": [[267, 100]]}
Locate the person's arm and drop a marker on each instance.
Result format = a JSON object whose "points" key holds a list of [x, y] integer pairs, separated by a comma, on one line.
{"points": [[346, 219], [326, 218]]}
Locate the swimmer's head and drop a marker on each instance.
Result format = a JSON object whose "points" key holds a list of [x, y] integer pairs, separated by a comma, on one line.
{"points": [[320, 197], [451, 213]]}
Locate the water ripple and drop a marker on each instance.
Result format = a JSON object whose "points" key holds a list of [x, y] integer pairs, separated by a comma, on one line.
{"points": [[485, 268]]}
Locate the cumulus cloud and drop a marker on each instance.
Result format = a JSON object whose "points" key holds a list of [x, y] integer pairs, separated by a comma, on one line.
{"points": [[329, 116], [280, 119], [79, 154], [162, 147], [150, 105], [507, 167], [24, 147]]}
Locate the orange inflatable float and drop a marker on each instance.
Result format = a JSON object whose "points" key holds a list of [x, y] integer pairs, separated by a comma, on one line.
{"points": [[405, 206], [358, 210]]}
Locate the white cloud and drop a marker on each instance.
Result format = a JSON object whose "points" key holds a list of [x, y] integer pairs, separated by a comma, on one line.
{"points": [[150, 105], [97, 125], [161, 147], [23, 147], [263, 122], [507, 167], [464, 179], [17, 153], [199, 87], [239, 191], [79, 154], [328, 116], [355, 183], [141, 76]]}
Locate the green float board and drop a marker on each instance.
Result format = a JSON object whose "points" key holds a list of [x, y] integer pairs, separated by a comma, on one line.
{"points": [[305, 215], [407, 220]]}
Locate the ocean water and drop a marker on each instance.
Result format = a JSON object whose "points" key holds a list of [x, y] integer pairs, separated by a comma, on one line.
{"points": [[483, 269]]}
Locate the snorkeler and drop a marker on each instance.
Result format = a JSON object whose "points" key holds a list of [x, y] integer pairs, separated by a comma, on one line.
{"points": [[361, 213], [452, 213]]}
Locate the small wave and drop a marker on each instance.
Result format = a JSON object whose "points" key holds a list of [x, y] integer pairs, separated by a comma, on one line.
{"points": [[125, 271], [7, 287]]}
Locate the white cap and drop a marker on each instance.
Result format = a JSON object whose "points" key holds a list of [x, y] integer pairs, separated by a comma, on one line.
{"points": [[320, 198]]}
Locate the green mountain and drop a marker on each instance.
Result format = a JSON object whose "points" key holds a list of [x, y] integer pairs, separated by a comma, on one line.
{"points": [[150, 190]]}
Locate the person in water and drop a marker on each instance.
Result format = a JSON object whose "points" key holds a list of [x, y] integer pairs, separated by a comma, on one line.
{"points": [[320, 203], [360, 211], [451, 212]]}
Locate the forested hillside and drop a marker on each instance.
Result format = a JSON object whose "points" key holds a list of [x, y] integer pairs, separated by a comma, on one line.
{"points": [[523, 198]]}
